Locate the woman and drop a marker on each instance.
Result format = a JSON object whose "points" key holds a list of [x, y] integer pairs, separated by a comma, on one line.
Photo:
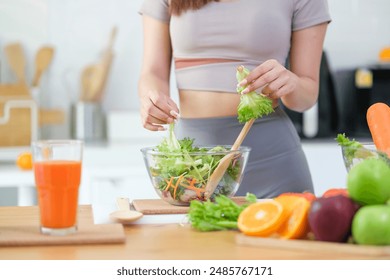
{"points": [[207, 40]]}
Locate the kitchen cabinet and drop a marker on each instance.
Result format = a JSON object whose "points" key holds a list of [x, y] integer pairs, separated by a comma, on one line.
{"points": [[23, 181], [113, 170]]}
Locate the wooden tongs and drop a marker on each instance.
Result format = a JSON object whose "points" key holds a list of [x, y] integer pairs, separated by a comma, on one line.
{"points": [[220, 170]]}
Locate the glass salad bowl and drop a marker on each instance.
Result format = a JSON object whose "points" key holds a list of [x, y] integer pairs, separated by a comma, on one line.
{"points": [[181, 176], [354, 155]]}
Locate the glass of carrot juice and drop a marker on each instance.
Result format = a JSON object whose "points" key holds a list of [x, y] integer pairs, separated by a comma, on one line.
{"points": [[57, 172]]}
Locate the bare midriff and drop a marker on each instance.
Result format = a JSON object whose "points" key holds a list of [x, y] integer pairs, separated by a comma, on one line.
{"points": [[206, 104]]}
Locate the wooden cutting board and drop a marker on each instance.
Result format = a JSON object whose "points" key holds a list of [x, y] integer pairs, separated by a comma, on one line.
{"points": [[15, 130], [19, 226], [29, 216], [159, 206], [308, 245]]}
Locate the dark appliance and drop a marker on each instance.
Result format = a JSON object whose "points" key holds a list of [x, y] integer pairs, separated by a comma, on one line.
{"points": [[377, 89]]}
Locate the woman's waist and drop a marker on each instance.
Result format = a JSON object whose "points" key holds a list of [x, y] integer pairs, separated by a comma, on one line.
{"points": [[209, 104], [206, 104]]}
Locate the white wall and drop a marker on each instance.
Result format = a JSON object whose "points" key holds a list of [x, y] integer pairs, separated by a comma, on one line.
{"points": [[79, 30], [358, 31], [24, 21]]}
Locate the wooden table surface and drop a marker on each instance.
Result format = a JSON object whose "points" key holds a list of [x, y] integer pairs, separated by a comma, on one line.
{"points": [[158, 242]]}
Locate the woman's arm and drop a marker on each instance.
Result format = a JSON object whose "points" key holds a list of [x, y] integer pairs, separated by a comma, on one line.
{"points": [[305, 61], [297, 87], [153, 87]]}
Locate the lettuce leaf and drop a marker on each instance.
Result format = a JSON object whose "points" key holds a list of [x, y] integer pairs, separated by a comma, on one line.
{"points": [[252, 105], [219, 215]]}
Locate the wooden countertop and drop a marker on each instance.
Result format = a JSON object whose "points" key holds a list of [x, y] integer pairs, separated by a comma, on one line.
{"points": [[159, 242]]}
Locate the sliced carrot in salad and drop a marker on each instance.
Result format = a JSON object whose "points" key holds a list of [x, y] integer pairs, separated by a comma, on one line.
{"points": [[175, 183]]}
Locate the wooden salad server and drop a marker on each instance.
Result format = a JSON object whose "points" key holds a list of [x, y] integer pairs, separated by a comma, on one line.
{"points": [[220, 170], [17, 61], [43, 59]]}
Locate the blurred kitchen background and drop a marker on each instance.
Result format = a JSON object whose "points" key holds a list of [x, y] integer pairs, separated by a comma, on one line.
{"points": [[80, 60]]}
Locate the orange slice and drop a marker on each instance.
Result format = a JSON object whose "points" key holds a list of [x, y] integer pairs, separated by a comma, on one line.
{"points": [[24, 161], [261, 218], [297, 209]]}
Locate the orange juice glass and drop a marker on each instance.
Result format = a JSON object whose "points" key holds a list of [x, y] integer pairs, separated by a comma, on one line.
{"points": [[57, 171]]}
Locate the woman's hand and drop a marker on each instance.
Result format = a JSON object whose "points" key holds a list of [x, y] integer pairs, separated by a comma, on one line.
{"points": [[157, 109], [272, 78], [297, 89]]}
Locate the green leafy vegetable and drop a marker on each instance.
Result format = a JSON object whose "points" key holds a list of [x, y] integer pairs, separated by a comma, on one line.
{"points": [[220, 215], [351, 146], [355, 150], [252, 105]]}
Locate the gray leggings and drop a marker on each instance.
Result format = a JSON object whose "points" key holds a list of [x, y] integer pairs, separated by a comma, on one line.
{"points": [[276, 162]]}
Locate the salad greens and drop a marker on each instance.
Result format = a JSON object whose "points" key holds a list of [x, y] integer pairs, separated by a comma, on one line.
{"points": [[350, 146], [354, 149], [220, 215], [181, 169], [252, 105]]}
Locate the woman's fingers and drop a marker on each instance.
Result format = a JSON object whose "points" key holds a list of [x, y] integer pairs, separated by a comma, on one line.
{"points": [[258, 72], [259, 77], [157, 109], [153, 118], [158, 114], [272, 89], [175, 114], [265, 80], [166, 105], [271, 77], [150, 122], [175, 110]]}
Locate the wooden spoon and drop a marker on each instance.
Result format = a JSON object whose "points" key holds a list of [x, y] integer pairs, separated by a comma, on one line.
{"points": [[220, 170], [124, 214], [42, 61], [86, 84], [16, 60], [102, 69], [96, 82]]}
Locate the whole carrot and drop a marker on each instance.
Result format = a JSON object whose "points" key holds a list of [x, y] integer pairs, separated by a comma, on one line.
{"points": [[378, 120]]}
